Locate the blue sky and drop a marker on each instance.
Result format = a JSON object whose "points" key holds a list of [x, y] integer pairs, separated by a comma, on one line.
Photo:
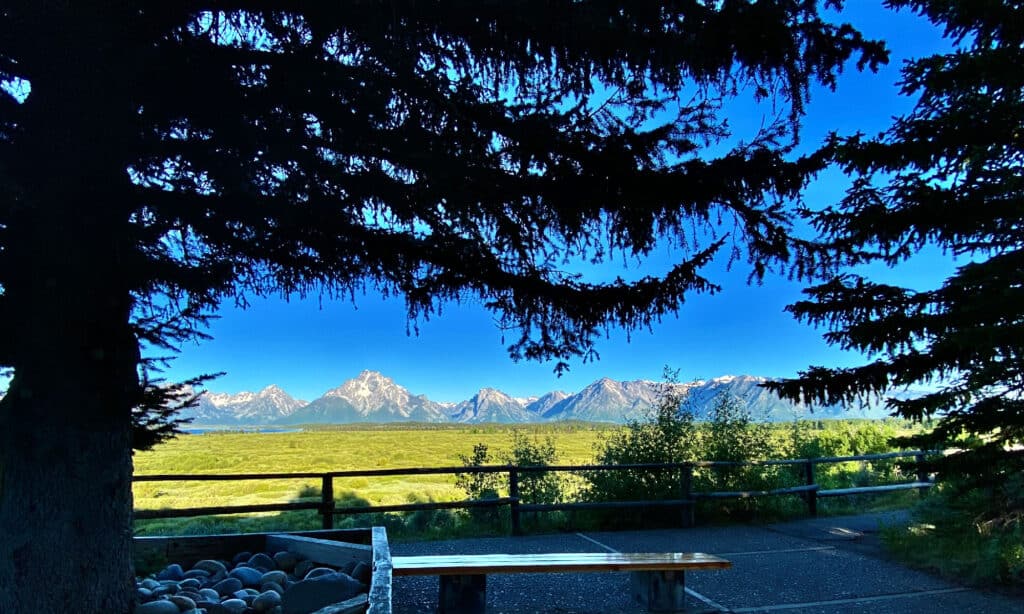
{"points": [[307, 347]]}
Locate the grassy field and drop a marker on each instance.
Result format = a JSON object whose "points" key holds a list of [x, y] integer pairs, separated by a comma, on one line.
{"points": [[361, 447], [331, 450]]}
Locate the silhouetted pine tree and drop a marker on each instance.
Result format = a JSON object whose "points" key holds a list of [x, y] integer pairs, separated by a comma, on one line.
{"points": [[946, 175], [169, 155]]}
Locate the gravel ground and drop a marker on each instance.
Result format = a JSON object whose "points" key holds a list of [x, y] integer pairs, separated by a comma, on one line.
{"points": [[829, 565]]}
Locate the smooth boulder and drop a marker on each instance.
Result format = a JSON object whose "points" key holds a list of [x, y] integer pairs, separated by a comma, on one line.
{"points": [[277, 577], [160, 606], [266, 601], [286, 561], [248, 576], [171, 572], [262, 562], [227, 587], [211, 566], [315, 593]]}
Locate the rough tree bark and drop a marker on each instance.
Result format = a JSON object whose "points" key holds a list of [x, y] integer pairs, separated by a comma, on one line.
{"points": [[65, 451], [62, 441], [65, 423]]}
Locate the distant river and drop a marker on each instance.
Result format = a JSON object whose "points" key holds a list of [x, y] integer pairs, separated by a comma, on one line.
{"points": [[228, 429]]}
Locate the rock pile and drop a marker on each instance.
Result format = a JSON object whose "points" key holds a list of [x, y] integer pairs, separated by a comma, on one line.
{"points": [[261, 583]]}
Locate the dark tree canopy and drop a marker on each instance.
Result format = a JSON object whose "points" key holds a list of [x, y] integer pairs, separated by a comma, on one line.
{"points": [[157, 158], [946, 175], [437, 150]]}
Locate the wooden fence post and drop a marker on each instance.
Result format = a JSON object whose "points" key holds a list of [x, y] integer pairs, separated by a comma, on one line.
{"points": [[513, 493], [922, 473], [812, 495], [686, 493], [327, 502]]}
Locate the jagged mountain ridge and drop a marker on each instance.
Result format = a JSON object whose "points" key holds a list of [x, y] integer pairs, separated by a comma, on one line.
{"points": [[373, 397], [491, 405], [369, 397], [545, 402], [270, 403], [606, 400], [267, 406]]}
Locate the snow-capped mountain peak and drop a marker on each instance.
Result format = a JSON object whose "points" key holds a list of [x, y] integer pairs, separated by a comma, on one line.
{"points": [[370, 391], [492, 405], [370, 396], [374, 397], [263, 407]]}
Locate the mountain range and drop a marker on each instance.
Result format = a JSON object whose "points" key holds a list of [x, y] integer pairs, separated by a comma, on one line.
{"points": [[374, 397]]}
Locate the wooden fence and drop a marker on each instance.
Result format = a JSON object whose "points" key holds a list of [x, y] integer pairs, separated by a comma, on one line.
{"points": [[809, 491]]}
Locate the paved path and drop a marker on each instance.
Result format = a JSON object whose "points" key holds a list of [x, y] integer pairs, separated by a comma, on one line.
{"points": [[808, 566]]}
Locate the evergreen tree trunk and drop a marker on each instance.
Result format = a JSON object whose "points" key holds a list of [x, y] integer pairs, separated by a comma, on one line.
{"points": [[65, 497], [65, 423]]}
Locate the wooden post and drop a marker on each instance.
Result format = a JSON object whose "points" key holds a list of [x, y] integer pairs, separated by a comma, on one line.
{"points": [[513, 493], [812, 495], [922, 473], [327, 502], [686, 493]]}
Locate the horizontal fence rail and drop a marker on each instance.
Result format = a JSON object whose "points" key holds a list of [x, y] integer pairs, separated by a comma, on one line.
{"points": [[810, 491]]}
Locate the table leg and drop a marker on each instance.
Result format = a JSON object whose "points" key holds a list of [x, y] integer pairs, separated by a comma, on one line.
{"points": [[463, 594], [660, 591]]}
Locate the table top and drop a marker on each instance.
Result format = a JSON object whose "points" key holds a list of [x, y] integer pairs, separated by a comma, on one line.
{"points": [[474, 564]]}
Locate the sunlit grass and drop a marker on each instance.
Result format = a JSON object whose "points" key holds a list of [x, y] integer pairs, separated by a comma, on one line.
{"points": [[368, 447], [322, 451], [948, 537]]}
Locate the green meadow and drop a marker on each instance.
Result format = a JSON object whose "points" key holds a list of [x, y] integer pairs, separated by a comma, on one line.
{"points": [[367, 447], [337, 449]]}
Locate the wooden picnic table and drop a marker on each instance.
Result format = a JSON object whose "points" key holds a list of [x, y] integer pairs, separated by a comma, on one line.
{"points": [[658, 579]]}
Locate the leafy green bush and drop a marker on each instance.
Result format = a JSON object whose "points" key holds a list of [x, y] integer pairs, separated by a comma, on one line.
{"points": [[480, 485], [732, 435], [535, 486], [666, 434]]}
